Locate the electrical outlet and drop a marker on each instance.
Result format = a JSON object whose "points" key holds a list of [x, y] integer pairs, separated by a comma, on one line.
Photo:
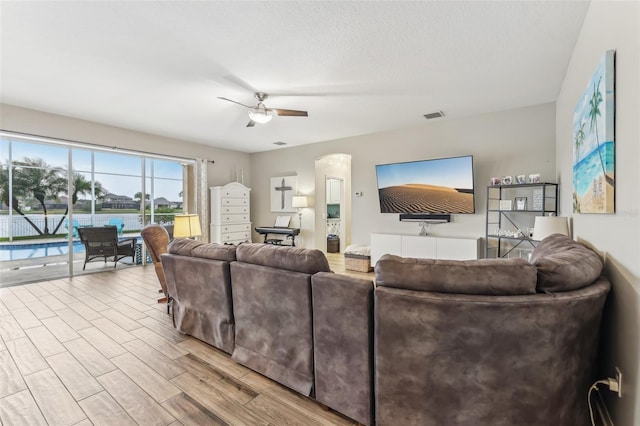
{"points": [[619, 380]]}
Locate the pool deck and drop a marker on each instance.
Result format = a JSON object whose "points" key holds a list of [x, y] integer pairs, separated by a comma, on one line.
{"points": [[35, 241], [20, 272], [16, 272]]}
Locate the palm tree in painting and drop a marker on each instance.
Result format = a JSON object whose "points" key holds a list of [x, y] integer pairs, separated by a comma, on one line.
{"points": [[579, 140], [594, 113]]}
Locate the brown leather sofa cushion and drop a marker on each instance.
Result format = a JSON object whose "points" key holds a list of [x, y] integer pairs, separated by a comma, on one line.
{"points": [[564, 264], [483, 277], [201, 291], [183, 246], [452, 359], [215, 252], [186, 247], [343, 344], [308, 261]]}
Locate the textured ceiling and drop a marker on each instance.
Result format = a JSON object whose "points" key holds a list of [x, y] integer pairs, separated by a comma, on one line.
{"points": [[357, 67]]}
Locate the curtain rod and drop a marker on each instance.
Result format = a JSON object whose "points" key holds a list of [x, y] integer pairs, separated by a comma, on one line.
{"points": [[69, 142]]}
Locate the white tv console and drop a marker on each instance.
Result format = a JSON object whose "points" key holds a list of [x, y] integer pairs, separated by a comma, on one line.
{"points": [[428, 247]]}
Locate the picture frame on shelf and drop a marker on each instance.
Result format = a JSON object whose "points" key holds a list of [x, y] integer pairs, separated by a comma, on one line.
{"points": [[495, 181], [507, 180], [521, 203], [538, 201], [534, 178], [520, 179], [505, 205]]}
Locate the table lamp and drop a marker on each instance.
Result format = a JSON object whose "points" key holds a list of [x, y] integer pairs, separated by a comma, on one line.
{"points": [[186, 226], [299, 202], [548, 225]]}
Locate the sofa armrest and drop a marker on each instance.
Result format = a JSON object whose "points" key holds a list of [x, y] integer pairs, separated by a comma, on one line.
{"points": [[343, 343]]}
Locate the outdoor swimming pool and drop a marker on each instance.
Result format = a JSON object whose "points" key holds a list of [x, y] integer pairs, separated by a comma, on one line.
{"points": [[10, 252]]}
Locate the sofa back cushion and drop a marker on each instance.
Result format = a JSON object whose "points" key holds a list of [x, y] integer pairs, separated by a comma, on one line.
{"points": [[308, 261], [215, 252], [186, 247], [444, 359], [483, 277], [273, 322], [564, 264], [183, 246], [201, 292]]}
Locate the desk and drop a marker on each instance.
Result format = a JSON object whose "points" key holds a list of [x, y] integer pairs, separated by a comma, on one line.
{"points": [[287, 232]]}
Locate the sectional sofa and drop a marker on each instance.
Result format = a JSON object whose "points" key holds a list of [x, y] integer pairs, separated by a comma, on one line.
{"points": [[485, 342]]}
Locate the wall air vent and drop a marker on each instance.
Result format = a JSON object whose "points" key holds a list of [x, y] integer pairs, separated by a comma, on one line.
{"points": [[279, 143], [434, 115]]}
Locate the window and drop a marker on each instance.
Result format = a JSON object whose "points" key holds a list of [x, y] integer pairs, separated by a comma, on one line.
{"points": [[34, 187]]}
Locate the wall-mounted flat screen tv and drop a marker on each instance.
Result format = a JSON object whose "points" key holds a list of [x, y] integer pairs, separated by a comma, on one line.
{"points": [[437, 186]]}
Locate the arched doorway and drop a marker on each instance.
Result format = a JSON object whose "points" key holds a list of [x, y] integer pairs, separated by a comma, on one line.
{"points": [[333, 201]]}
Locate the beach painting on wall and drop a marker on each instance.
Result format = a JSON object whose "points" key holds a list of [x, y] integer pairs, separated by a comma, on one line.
{"points": [[594, 182]]}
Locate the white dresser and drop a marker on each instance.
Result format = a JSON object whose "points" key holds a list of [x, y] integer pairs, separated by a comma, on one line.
{"points": [[230, 208]]}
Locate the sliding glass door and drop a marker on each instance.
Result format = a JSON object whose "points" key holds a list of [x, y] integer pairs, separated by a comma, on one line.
{"points": [[43, 205], [33, 219]]}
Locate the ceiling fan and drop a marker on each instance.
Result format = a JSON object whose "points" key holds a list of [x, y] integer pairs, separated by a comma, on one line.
{"points": [[261, 114]]}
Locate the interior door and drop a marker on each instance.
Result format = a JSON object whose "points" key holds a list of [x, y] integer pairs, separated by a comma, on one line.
{"points": [[335, 214]]}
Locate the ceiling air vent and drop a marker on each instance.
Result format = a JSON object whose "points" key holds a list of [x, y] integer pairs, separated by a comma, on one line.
{"points": [[279, 143], [434, 115]]}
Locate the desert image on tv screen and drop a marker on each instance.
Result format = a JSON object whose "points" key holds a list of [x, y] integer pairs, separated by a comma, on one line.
{"points": [[431, 186]]}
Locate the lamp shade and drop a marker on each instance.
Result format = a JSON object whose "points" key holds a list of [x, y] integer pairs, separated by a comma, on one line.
{"points": [[548, 225], [186, 226], [261, 117], [299, 201]]}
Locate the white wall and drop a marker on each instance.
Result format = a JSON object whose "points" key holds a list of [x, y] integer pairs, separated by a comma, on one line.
{"points": [[611, 25], [513, 142], [39, 123], [503, 143]]}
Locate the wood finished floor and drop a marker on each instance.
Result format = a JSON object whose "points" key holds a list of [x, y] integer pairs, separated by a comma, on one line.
{"points": [[98, 349]]}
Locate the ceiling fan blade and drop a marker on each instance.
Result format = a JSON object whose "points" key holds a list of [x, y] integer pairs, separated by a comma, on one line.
{"points": [[238, 82], [235, 102], [251, 123], [289, 112]]}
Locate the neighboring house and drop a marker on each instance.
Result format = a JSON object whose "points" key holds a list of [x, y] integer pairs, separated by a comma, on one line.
{"points": [[114, 201], [162, 202]]}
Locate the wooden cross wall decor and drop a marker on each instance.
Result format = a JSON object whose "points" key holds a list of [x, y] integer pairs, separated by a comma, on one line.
{"points": [[282, 189]]}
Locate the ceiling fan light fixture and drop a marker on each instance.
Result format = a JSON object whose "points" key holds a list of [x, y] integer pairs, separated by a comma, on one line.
{"points": [[261, 114]]}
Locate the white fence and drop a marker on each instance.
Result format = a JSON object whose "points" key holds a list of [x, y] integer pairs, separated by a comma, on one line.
{"points": [[19, 227]]}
